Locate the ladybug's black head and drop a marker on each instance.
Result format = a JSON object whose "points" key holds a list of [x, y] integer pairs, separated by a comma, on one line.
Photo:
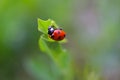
{"points": [[50, 30]]}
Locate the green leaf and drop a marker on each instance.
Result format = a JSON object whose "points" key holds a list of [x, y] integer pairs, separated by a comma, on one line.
{"points": [[51, 47]]}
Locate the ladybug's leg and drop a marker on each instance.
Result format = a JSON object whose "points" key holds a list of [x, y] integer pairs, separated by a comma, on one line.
{"points": [[52, 36]]}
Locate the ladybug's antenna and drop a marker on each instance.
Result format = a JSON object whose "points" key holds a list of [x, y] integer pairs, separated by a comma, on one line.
{"points": [[53, 26], [60, 29]]}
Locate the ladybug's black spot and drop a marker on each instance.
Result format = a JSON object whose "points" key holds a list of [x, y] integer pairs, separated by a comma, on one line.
{"points": [[64, 35], [59, 38], [58, 32]]}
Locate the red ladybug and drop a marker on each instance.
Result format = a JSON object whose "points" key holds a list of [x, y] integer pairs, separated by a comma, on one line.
{"points": [[56, 34]]}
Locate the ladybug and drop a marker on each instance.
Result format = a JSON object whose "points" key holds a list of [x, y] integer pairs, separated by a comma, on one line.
{"points": [[56, 34]]}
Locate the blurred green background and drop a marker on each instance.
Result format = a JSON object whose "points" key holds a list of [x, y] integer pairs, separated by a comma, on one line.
{"points": [[92, 27]]}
